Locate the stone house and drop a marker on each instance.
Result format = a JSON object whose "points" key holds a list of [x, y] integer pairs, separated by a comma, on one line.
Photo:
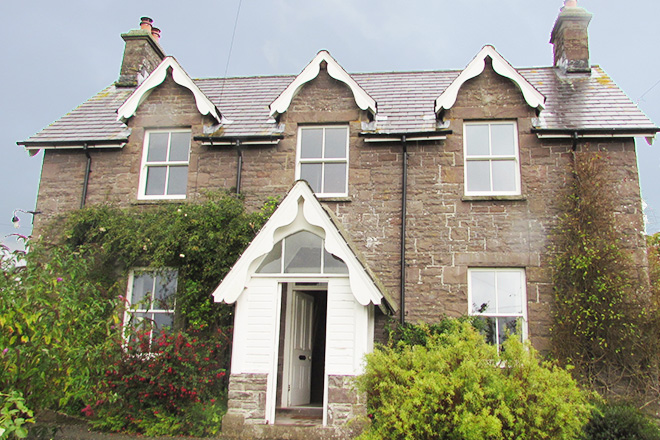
{"points": [[411, 195]]}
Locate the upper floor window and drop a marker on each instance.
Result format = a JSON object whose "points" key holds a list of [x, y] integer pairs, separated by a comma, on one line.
{"points": [[491, 158], [498, 296], [164, 172], [151, 297], [322, 159]]}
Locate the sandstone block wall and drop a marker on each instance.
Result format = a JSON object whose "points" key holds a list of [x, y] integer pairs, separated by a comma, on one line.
{"points": [[447, 233]]}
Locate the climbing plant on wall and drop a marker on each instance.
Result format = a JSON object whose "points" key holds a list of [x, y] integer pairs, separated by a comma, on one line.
{"points": [[604, 322], [201, 240]]}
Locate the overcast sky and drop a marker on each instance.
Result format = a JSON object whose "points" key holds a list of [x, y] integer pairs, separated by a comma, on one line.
{"points": [[57, 54]]}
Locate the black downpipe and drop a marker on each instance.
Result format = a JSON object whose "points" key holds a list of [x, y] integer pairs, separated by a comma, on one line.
{"points": [[404, 197], [239, 166], [86, 181], [575, 141]]}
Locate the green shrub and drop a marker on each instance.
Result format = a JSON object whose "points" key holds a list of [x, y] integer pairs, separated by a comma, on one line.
{"points": [[620, 422], [459, 387], [413, 334], [175, 387], [61, 312], [56, 327], [14, 416]]}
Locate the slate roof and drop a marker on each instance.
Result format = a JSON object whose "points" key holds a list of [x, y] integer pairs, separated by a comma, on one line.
{"points": [[405, 104]]}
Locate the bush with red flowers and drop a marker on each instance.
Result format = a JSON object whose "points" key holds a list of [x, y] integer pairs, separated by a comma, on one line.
{"points": [[173, 384]]}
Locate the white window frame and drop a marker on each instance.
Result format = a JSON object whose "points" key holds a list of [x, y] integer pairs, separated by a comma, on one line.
{"points": [[323, 160], [515, 157], [130, 309], [144, 167], [523, 298]]}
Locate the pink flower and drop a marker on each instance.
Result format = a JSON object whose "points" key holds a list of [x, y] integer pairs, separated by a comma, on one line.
{"points": [[60, 279], [87, 411]]}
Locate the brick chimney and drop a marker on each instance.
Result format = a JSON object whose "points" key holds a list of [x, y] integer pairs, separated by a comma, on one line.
{"points": [[142, 54], [571, 39]]}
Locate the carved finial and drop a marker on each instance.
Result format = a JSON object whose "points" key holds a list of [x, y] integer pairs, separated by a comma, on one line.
{"points": [[570, 4]]}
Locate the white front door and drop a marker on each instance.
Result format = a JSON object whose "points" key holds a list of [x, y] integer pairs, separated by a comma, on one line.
{"points": [[301, 339]]}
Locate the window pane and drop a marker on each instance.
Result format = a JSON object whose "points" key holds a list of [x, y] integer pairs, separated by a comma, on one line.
{"points": [[178, 181], [504, 175], [179, 146], [334, 178], [273, 261], [165, 290], [509, 293], [157, 151], [502, 139], [335, 142], [476, 140], [140, 319], [163, 320], [311, 143], [478, 175], [332, 264], [143, 284], [311, 172], [489, 329], [155, 181], [482, 286], [302, 253], [506, 327]]}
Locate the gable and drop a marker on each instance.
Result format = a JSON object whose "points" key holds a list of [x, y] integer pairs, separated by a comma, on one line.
{"points": [[155, 79], [283, 101], [448, 97], [301, 211]]}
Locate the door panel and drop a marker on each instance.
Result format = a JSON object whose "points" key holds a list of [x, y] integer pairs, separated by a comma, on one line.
{"points": [[302, 314]]}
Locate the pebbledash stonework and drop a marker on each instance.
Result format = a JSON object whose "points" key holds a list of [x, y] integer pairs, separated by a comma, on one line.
{"points": [[403, 196]]}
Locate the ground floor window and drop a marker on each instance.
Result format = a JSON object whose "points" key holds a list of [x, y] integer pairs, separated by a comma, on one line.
{"points": [[151, 299], [498, 296]]}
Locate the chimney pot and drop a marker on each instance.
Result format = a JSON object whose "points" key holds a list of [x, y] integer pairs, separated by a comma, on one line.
{"points": [[146, 23], [155, 32]]}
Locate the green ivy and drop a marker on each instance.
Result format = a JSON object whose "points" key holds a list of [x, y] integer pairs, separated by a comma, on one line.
{"points": [[201, 240]]}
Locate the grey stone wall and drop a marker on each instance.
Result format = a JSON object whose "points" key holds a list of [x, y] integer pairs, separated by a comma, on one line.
{"points": [[346, 406], [247, 400]]}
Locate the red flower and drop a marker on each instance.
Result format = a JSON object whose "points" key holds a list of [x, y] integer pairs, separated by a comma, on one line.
{"points": [[87, 411]]}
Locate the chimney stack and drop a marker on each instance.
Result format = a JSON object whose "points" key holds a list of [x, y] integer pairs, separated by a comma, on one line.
{"points": [[571, 39], [142, 53]]}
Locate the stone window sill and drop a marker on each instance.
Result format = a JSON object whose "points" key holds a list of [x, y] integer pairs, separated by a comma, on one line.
{"points": [[335, 199], [159, 202], [519, 198]]}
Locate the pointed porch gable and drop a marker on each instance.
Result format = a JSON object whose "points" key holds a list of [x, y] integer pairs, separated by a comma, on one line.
{"points": [[448, 98], [156, 78], [301, 211], [362, 98]]}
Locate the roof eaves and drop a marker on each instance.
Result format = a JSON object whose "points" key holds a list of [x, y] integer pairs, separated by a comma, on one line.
{"points": [[448, 98], [204, 104], [311, 71]]}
